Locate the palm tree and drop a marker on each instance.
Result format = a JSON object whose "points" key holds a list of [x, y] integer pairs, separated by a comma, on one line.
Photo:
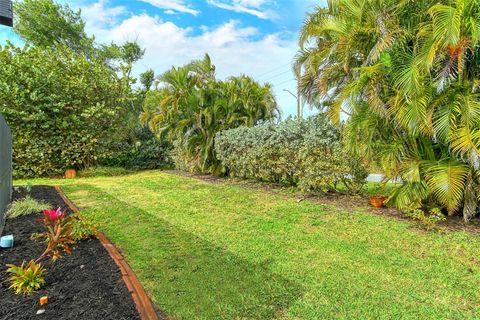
{"points": [[405, 74], [191, 106]]}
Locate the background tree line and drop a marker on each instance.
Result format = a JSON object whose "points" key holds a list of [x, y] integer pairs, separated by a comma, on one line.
{"points": [[190, 106], [73, 103], [69, 101]]}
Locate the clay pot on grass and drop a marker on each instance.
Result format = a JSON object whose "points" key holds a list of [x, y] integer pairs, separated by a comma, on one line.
{"points": [[70, 173], [377, 201]]}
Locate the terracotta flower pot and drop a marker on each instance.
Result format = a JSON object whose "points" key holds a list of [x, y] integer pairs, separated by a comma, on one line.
{"points": [[377, 201], [70, 173]]}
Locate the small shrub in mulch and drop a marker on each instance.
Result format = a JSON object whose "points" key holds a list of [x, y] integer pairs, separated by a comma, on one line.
{"points": [[85, 284]]}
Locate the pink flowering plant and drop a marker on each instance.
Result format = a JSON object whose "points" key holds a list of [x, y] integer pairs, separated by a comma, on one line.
{"points": [[53, 214], [59, 237], [61, 232], [58, 233]]}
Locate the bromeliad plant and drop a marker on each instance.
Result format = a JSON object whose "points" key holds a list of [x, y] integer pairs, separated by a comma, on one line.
{"points": [[26, 278], [58, 233], [61, 231], [59, 236]]}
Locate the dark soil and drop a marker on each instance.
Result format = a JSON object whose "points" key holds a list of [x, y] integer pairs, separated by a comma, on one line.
{"points": [[84, 285]]}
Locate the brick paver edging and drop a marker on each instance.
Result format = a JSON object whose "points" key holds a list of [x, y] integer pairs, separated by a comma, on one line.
{"points": [[142, 301]]}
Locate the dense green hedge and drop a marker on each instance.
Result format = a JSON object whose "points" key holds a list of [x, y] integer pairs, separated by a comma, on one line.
{"points": [[307, 153], [64, 109], [143, 151]]}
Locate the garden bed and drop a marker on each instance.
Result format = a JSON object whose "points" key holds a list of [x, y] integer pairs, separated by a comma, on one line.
{"points": [[84, 285]]}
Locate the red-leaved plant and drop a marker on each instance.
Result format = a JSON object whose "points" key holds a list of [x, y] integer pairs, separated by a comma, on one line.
{"points": [[58, 233]]}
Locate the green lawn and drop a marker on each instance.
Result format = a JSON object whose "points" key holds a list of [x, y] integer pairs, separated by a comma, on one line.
{"points": [[220, 251]]}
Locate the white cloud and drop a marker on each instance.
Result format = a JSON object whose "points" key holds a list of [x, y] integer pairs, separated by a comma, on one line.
{"points": [[253, 3], [253, 7], [100, 14], [234, 49], [175, 5], [230, 45]]}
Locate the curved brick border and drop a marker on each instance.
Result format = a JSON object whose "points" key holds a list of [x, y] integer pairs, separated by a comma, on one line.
{"points": [[142, 301]]}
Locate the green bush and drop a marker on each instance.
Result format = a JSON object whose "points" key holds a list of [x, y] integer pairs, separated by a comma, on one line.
{"points": [[85, 227], [307, 153], [429, 220], [143, 151], [26, 278], [100, 171], [183, 158], [64, 109], [26, 206]]}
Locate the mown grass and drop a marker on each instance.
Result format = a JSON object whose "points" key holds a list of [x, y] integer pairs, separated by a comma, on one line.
{"points": [[220, 251]]}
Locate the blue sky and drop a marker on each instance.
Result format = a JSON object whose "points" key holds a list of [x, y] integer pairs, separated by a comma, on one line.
{"points": [[254, 37]]}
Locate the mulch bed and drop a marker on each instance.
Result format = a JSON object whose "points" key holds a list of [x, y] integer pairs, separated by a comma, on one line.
{"points": [[84, 285]]}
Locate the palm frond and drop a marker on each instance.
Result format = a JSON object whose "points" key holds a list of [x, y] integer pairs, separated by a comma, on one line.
{"points": [[446, 181]]}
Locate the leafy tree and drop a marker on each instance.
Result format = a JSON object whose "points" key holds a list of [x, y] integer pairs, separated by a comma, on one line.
{"points": [[407, 75], [141, 149], [147, 79], [191, 106], [130, 52], [64, 110], [54, 27], [46, 24]]}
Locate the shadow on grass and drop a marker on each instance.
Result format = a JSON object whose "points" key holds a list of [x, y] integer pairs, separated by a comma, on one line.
{"points": [[189, 277]]}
